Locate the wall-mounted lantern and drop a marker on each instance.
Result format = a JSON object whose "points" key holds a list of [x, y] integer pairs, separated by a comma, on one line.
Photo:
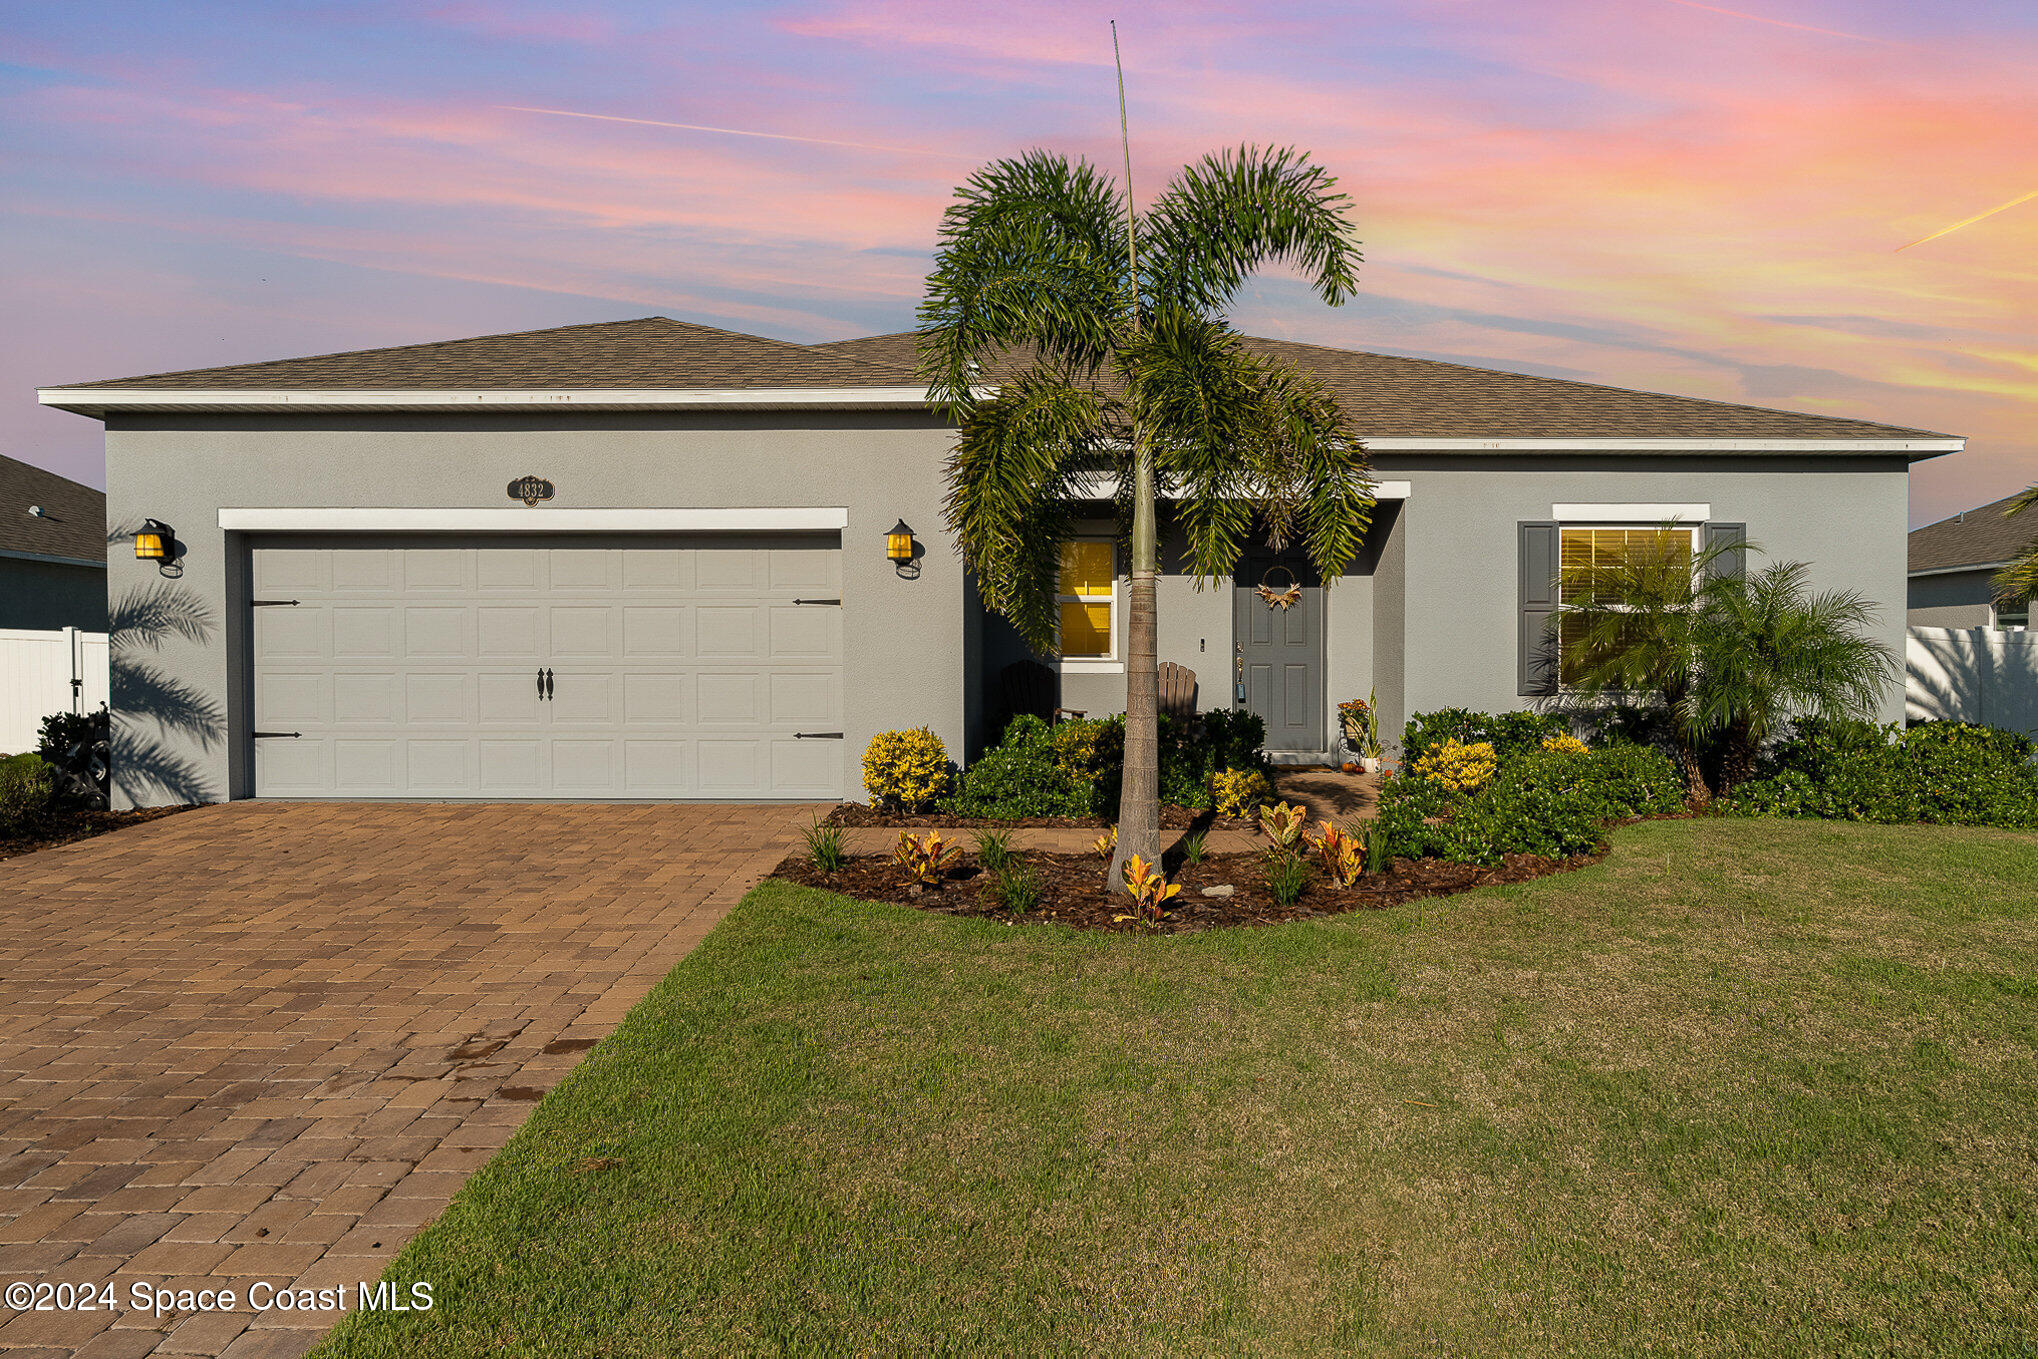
{"points": [[155, 541], [899, 543]]}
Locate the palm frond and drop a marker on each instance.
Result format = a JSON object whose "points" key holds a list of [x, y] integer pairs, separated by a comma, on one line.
{"points": [[1230, 214], [1021, 458], [1032, 255], [1246, 442]]}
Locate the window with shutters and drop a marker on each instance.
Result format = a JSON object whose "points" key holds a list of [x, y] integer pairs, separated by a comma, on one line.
{"points": [[1087, 602], [1582, 547]]}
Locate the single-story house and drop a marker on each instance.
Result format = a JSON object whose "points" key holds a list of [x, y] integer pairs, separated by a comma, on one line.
{"points": [[650, 559], [52, 551], [1953, 565]]}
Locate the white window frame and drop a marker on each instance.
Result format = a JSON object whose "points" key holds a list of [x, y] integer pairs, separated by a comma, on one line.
{"points": [[1114, 663], [1697, 532]]}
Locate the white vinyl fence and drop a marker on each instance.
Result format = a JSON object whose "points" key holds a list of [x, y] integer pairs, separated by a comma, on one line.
{"points": [[1972, 675], [43, 673]]}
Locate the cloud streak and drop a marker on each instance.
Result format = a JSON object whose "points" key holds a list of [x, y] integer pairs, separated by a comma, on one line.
{"points": [[1970, 221], [739, 132]]}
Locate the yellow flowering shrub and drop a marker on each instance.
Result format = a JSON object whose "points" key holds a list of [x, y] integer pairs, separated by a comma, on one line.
{"points": [[1238, 792], [1565, 744], [1458, 766], [905, 769]]}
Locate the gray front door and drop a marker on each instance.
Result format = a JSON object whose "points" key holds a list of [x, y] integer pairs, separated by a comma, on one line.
{"points": [[1279, 657], [689, 666]]}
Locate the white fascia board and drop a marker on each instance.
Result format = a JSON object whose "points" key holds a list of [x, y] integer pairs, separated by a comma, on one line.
{"points": [[543, 520], [1663, 445], [94, 399], [1959, 570], [1693, 512]]}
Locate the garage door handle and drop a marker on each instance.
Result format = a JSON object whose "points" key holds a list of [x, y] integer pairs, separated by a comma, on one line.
{"points": [[278, 733], [817, 736]]}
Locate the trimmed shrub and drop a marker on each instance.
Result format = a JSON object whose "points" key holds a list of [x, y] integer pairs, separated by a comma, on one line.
{"points": [[1240, 792], [77, 748], [905, 769], [1457, 766], [1942, 772], [1550, 803], [1020, 777], [1509, 734], [27, 786], [1612, 784]]}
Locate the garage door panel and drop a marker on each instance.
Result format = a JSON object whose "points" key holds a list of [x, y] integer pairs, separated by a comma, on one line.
{"points": [[445, 631], [806, 768], [374, 700], [805, 633], [509, 632], [364, 632], [515, 767], [294, 698], [679, 667]]}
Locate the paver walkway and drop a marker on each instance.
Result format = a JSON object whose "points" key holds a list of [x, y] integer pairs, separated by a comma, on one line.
{"points": [[265, 1042]]}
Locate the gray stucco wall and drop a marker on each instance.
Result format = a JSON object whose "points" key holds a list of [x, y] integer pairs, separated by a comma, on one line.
{"points": [[1958, 599], [45, 595], [1845, 516], [181, 736]]}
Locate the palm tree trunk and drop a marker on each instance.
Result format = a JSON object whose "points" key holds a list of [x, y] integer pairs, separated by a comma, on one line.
{"points": [[1139, 799], [1740, 761]]}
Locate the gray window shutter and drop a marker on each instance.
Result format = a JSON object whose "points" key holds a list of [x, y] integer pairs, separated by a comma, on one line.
{"points": [[1733, 564], [1537, 574]]}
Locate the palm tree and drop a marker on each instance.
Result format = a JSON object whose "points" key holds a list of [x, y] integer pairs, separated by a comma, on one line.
{"points": [[2019, 580], [1110, 363], [1770, 648], [1631, 627], [1726, 654]]}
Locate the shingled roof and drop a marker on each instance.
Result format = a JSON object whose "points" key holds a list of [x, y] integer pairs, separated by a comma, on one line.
{"points": [[72, 524], [1389, 397], [644, 361], [651, 351], [1978, 537]]}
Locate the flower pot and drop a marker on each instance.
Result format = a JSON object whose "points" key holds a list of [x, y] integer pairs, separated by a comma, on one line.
{"points": [[1372, 764]]}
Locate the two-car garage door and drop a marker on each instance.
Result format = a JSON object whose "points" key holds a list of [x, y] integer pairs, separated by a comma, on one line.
{"points": [[696, 666]]}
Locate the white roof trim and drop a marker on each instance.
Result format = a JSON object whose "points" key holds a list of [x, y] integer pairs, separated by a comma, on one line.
{"points": [[1727, 445], [540, 520], [13, 554], [1104, 486], [1957, 570], [1632, 513], [90, 399]]}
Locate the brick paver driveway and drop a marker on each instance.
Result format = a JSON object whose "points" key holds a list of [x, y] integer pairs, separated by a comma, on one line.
{"points": [[267, 1041]]}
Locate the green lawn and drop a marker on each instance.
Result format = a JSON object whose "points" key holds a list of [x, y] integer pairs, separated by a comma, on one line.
{"points": [[1745, 1086]]}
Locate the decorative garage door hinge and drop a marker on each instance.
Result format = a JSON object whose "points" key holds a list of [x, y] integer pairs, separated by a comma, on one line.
{"points": [[278, 733], [272, 603], [817, 601], [817, 736]]}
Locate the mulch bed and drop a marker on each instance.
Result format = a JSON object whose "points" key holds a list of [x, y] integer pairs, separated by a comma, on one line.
{"points": [[1172, 818], [67, 827], [1073, 891]]}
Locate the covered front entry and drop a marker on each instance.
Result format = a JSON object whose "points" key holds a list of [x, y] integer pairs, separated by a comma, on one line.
{"points": [[555, 666], [1278, 650]]}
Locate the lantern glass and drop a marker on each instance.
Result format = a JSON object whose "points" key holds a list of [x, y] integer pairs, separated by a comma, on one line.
{"points": [[152, 542], [899, 543]]}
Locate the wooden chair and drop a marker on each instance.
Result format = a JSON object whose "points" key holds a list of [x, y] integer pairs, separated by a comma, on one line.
{"points": [[1177, 690]]}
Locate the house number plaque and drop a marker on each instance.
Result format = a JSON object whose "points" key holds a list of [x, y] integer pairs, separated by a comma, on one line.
{"points": [[530, 490]]}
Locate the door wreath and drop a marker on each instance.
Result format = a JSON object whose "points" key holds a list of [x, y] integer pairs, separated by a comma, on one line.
{"points": [[1283, 598]]}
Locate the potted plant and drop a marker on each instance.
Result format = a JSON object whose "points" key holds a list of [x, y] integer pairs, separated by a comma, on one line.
{"points": [[1362, 731]]}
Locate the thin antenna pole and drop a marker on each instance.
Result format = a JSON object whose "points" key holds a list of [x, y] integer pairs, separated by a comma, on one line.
{"points": [[1125, 141]]}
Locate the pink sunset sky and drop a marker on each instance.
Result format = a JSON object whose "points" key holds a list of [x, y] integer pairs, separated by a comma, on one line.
{"points": [[1710, 200]]}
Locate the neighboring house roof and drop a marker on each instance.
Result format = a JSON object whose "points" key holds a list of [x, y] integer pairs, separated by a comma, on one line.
{"points": [[1388, 396], [72, 526], [655, 361], [1980, 537]]}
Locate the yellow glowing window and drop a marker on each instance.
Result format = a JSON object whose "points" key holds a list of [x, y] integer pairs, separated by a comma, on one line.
{"points": [[1584, 548], [1087, 598]]}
